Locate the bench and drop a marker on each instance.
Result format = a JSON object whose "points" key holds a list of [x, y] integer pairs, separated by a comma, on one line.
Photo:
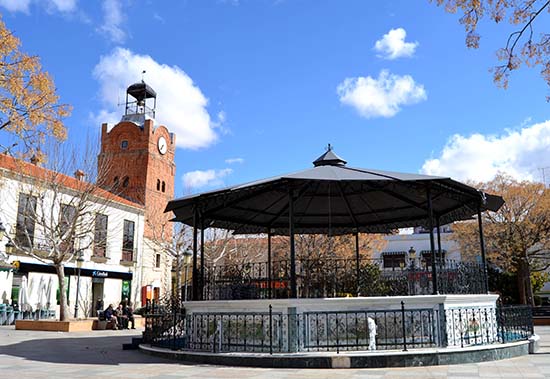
{"points": [[101, 323]]}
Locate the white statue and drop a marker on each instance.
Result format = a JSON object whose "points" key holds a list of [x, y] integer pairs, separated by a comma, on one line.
{"points": [[372, 333]]}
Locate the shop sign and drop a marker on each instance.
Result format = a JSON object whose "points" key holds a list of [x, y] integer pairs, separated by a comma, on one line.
{"points": [[100, 274]]}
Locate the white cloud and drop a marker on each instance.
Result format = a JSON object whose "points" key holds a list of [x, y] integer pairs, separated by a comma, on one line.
{"points": [[206, 178], [392, 45], [16, 5], [381, 97], [519, 153], [112, 21], [159, 18], [181, 106], [65, 6], [234, 160]]}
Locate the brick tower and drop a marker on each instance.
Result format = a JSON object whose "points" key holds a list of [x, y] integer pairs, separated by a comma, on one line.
{"points": [[137, 159]]}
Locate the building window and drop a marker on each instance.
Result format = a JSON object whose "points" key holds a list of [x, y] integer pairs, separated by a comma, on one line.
{"points": [[115, 181], [128, 241], [163, 186], [157, 261], [158, 184], [100, 235], [394, 260], [125, 182], [67, 221], [26, 212], [124, 144]]}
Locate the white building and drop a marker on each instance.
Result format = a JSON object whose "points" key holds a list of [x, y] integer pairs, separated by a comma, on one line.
{"points": [[111, 267], [397, 253], [125, 253]]}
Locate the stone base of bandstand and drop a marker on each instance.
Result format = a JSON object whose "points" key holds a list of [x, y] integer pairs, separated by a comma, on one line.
{"points": [[436, 302], [464, 326], [457, 312], [356, 359]]}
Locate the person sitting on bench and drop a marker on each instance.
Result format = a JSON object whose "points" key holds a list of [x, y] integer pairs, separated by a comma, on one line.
{"points": [[121, 317], [110, 316]]}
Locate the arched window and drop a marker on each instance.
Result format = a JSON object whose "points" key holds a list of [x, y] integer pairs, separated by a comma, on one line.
{"points": [[124, 144], [115, 181], [158, 184], [125, 182], [163, 186]]}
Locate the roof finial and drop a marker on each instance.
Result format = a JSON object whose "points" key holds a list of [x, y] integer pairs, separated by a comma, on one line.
{"points": [[143, 76], [329, 147]]}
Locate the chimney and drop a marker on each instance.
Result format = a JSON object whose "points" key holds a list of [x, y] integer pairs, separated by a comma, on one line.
{"points": [[79, 175]]}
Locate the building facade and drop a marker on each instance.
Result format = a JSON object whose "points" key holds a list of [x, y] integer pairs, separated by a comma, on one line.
{"points": [[412, 246], [124, 254]]}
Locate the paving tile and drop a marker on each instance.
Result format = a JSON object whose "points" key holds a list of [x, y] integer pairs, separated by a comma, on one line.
{"points": [[99, 355]]}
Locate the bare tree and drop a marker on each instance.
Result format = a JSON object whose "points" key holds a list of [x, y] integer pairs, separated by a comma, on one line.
{"points": [[174, 249], [56, 212]]}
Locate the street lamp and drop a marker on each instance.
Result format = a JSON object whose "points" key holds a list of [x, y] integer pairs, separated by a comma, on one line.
{"points": [[9, 247], [412, 256], [79, 261]]}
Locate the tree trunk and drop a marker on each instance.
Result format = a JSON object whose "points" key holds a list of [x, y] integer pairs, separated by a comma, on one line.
{"points": [[63, 310], [524, 282]]}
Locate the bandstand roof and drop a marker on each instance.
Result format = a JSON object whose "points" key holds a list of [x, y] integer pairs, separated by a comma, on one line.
{"points": [[332, 198]]}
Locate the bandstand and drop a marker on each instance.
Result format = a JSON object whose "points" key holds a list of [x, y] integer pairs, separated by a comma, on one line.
{"points": [[337, 312]]}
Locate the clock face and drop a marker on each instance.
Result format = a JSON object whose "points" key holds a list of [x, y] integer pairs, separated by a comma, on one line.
{"points": [[162, 145]]}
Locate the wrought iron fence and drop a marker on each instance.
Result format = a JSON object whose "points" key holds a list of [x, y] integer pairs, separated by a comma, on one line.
{"points": [[338, 278], [515, 322], [277, 332]]}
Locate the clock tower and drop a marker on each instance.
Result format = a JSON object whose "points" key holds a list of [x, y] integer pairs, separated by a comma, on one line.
{"points": [[137, 160]]}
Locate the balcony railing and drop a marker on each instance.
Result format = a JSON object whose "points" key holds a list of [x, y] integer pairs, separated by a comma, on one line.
{"points": [[127, 255]]}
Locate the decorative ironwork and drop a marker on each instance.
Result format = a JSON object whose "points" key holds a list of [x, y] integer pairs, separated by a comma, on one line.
{"points": [[167, 325], [338, 278]]}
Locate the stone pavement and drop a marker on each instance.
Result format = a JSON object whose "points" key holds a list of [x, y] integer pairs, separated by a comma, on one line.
{"points": [[99, 354]]}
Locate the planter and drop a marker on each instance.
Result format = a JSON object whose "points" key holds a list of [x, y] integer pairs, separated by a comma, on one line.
{"points": [[55, 326]]}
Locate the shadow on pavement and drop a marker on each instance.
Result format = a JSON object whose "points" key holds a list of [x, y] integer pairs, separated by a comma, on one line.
{"points": [[94, 350]]}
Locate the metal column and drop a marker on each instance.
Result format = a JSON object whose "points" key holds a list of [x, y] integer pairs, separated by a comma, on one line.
{"points": [[357, 262], [202, 258], [270, 290], [293, 289], [432, 243], [439, 251], [194, 281], [482, 246]]}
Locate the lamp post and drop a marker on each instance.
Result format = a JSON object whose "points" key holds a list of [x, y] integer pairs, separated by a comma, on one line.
{"points": [[9, 245], [412, 256], [186, 260], [412, 272], [79, 261]]}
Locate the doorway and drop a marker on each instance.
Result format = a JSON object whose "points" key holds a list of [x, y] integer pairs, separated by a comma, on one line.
{"points": [[97, 295]]}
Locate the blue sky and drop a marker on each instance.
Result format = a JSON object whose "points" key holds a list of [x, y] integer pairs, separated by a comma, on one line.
{"points": [[255, 88]]}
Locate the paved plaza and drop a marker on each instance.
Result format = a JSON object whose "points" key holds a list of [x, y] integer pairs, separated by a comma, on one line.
{"points": [[99, 354]]}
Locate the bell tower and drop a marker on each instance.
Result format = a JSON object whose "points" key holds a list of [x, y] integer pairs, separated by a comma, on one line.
{"points": [[137, 159]]}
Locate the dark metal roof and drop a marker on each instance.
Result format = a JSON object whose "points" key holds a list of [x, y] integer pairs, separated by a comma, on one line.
{"points": [[329, 158], [332, 198], [141, 91]]}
